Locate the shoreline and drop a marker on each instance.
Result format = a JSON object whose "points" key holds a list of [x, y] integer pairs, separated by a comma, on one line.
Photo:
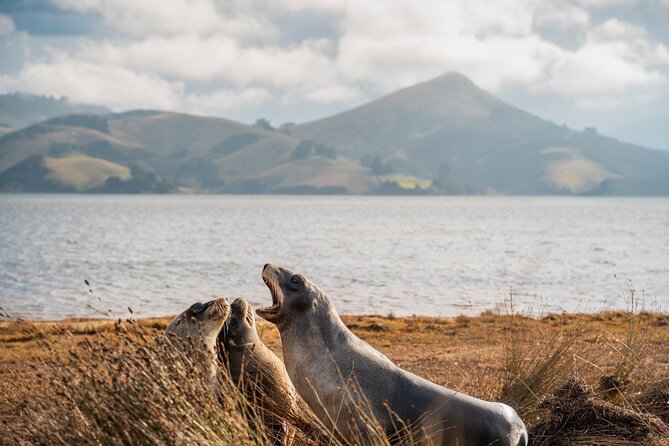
{"points": [[445, 337], [526, 312]]}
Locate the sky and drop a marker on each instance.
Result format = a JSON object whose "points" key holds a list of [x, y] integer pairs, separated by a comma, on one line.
{"points": [[602, 63]]}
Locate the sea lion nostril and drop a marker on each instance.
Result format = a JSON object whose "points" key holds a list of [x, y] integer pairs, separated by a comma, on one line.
{"points": [[265, 267]]}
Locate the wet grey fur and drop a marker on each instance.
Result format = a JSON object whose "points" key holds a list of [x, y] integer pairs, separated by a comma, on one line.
{"points": [[331, 367]]}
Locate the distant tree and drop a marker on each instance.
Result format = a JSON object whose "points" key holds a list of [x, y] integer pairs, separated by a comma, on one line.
{"points": [[590, 131], [325, 151], [287, 127], [377, 166], [307, 148], [141, 181], [444, 171], [264, 124], [303, 150]]}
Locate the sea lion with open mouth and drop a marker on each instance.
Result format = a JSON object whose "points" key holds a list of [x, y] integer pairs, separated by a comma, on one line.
{"points": [[196, 329], [257, 370], [337, 374]]}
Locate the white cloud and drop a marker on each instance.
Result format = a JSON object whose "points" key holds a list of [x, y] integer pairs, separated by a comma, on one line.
{"points": [[6, 25], [330, 94], [561, 15], [197, 58], [141, 17], [241, 53], [616, 58], [614, 29], [110, 85], [394, 45], [606, 3], [225, 100]]}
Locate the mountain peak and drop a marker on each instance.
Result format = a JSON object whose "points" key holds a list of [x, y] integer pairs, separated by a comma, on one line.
{"points": [[453, 79]]}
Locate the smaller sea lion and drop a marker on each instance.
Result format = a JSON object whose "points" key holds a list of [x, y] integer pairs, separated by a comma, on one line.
{"points": [[196, 329], [257, 370]]}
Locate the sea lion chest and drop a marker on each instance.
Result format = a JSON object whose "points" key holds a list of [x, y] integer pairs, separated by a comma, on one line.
{"points": [[255, 367]]}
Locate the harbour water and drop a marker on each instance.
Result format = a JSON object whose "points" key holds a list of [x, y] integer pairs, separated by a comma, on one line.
{"points": [[405, 255]]}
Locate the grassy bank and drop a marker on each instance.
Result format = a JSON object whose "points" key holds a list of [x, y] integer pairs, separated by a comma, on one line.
{"points": [[595, 379]]}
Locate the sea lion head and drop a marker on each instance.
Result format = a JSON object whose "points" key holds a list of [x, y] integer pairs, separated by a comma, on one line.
{"points": [[200, 322], [240, 329], [293, 295]]}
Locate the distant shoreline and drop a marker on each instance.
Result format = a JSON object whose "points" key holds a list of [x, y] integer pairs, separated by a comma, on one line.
{"points": [[616, 315], [284, 194]]}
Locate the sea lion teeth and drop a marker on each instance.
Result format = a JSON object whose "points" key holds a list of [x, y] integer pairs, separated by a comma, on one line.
{"points": [[342, 378]]}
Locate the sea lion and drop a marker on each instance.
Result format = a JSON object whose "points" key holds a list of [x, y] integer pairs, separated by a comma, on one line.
{"points": [[337, 373], [257, 370], [195, 331]]}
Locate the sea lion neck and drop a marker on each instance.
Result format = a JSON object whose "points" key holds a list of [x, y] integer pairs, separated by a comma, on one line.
{"points": [[324, 328]]}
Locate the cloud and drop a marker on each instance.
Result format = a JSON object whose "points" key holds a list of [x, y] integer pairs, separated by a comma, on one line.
{"points": [[110, 85], [616, 58], [562, 15], [612, 58], [605, 3], [6, 25], [218, 100], [394, 45], [174, 16], [215, 57], [219, 56]]}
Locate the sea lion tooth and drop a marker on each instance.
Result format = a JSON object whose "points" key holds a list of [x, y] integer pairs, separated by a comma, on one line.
{"points": [[342, 378]]}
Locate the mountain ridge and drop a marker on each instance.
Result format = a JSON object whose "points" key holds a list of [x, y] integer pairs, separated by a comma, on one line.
{"points": [[450, 130], [442, 136]]}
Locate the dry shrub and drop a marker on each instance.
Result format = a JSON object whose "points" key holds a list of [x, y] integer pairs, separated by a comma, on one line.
{"points": [[535, 364], [543, 372], [577, 417], [129, 385], [655, 399], [133, 387]]}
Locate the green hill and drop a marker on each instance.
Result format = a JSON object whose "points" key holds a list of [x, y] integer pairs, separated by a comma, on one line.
{"points": [[451, 131], [182, 152], [442, 136]]}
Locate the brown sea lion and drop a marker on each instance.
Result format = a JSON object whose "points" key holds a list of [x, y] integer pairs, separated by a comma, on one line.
{"points": [[337, 373], [257, 370], [195, 331]]}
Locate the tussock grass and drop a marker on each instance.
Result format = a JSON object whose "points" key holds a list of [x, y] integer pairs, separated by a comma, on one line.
{"points": [[87, 382]]}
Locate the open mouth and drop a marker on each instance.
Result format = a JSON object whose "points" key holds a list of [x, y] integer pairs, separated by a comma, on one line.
{"points": [[272, 311]]}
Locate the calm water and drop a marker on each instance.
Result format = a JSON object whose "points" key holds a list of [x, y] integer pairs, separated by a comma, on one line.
{"points": [[411, 255]]}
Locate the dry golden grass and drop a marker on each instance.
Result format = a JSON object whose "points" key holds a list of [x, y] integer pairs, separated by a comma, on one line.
{"points": [[84, 172], [92, 381]]}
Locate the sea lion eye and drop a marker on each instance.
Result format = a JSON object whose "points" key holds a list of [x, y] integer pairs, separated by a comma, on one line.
{"points": [[197, 308], [295, 282], [233, 323]]}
